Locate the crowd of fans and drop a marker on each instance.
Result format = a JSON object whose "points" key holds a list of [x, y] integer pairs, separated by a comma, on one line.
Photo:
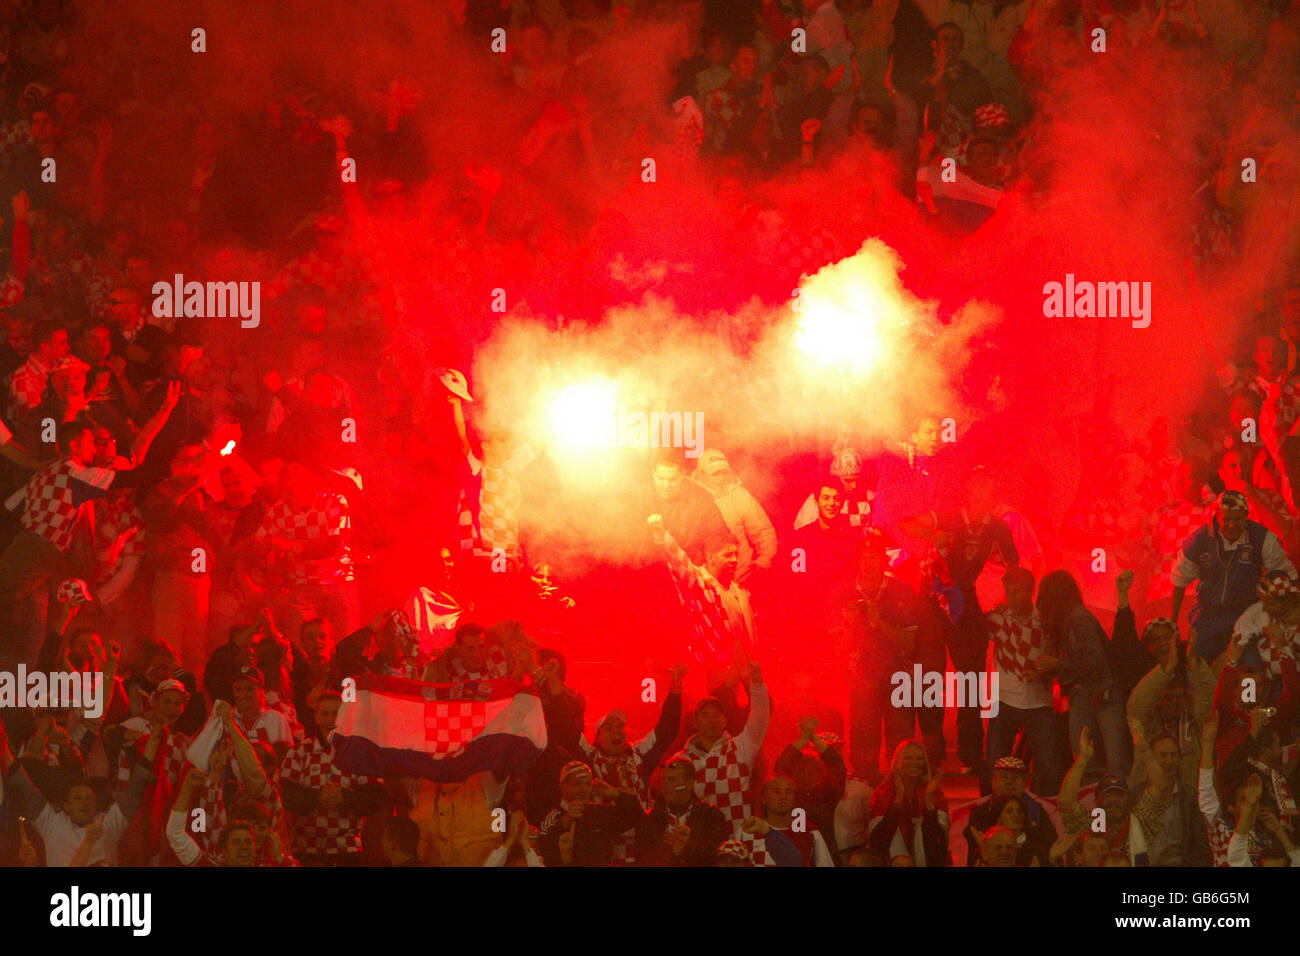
{"points": [[208, 516]]}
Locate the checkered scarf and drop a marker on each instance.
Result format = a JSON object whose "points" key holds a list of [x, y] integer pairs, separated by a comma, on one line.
{"points": [[1281, 790], [1017, 643], [1272, 657]]}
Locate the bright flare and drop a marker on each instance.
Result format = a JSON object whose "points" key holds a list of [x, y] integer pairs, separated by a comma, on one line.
{"points": [[581, 417], [850, 311]]}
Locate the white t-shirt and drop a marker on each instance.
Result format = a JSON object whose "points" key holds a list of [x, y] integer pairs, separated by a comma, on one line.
{"points": [[63, 837], [270, 726]]}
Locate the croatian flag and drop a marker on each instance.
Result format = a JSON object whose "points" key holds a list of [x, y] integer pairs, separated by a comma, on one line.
{"points": [[443, 732]]}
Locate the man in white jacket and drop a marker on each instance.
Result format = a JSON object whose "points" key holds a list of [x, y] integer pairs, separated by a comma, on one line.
{"points": [[744, 516]]}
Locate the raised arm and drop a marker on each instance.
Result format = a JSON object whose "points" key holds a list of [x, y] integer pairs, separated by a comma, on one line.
{"points": [[1161, 787], [250, 768], [178, 837], [1206, 796], [750, 740], [140, 447], [1074, 777]]}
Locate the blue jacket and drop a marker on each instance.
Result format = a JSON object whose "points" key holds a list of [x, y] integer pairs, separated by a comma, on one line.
{"points": [[1232, 585]]}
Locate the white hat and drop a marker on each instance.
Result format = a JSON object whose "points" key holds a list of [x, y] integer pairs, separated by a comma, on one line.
{"points": [[454, 381]]}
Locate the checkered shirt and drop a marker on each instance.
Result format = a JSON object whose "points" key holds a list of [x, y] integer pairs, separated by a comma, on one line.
{"points": [[119, 534], [311, 764], [498, 511], [327, 517], [1220, 835], [720, 777], [1170, 530], [27, 386], [715, 636], [721, 107], [1017, 643], [174, 762], [55, 497]]}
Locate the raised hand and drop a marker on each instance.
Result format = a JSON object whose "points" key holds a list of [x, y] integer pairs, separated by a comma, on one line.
{"points": [[173, 395], [1139, 733], [1085, 745], [677, 676], [807, 728], [1210, 728]]}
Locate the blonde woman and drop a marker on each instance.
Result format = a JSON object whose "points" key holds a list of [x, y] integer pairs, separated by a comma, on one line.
{"points": [[909, 815]]}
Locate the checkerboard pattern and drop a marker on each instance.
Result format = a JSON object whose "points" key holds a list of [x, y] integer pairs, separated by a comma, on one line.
{"points": [[1171, 529], [326, 517], [119, 534], [26, 387], [311, 764], [1017, 643], [721, 778], [54, 498], [498, 512], [174, 762], [451, 724]]}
